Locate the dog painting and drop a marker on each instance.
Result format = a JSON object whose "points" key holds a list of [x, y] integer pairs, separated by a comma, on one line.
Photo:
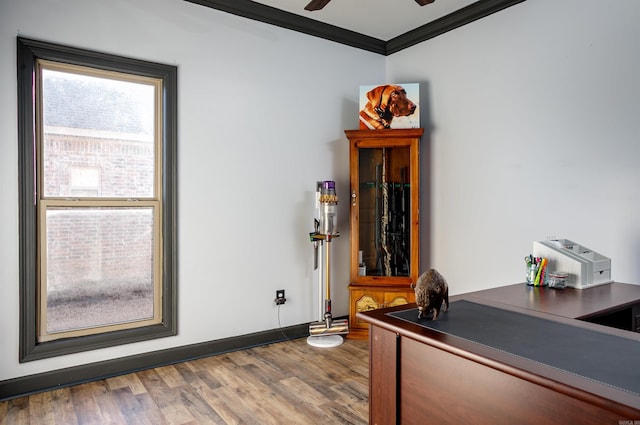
{"points": [[389, 106]]}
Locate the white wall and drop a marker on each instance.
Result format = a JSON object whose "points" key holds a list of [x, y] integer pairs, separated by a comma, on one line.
{"points": [[261, 117], [534, 131], [533, 118]]}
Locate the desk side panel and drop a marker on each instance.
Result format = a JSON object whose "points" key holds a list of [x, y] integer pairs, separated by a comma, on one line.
{"points": [[441, 387], [383, 357]]}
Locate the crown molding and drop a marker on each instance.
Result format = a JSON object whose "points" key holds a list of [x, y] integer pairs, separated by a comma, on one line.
{"points": [[466, 15], [271, 15]]}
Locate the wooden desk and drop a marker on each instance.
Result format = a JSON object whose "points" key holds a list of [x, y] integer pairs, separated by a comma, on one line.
{"points": [[592, 304], [418, 375]]}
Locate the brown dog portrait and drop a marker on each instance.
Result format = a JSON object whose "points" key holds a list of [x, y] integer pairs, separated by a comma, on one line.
{"points": [[383, 104]]}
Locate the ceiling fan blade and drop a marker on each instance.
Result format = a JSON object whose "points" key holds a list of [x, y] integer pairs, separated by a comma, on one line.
{"points": [[424, 2], [318, 4]]}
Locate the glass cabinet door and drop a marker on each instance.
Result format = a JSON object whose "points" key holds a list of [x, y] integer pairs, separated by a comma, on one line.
{"points": [[384, 211]]}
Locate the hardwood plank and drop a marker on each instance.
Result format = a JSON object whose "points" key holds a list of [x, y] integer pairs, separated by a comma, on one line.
{"points": [[167, 398], [131, 380], [4, 410], [109, 408], [177, 414], [220, 403], [63, 408], [41, 408], [203, 377], [18, 412], [197, 406], [307, 399], [171, 376], [309, 368], [297, 389], [268, 402], [85, 405], [148, 411], [343, 414], [287, 382], [156, 387], [246, 406]]}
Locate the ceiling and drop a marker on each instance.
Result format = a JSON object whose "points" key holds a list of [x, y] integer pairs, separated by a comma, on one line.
{"points": [[379, 26], [383, 19]]}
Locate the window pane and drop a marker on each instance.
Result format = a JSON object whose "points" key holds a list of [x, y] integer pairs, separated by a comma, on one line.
{"points": [[98, 136], [99, 268]]}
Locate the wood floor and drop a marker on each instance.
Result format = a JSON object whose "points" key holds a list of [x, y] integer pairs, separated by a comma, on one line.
{"points": [[285, 383]]}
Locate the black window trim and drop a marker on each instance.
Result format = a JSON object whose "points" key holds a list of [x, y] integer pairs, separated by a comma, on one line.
{"points": [[28, 52]]}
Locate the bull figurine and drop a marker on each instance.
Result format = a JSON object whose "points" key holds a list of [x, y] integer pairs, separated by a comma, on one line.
{"points": [[431, 290]]}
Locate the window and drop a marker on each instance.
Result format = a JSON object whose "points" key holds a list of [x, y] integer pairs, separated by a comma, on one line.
{"points": [[97, 152]]}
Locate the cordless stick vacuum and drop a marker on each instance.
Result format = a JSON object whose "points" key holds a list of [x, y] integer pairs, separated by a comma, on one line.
{"points": [[326, 332]]}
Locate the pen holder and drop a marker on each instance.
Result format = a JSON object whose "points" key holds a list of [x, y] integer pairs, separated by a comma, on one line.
{"points": [[532, 271]]}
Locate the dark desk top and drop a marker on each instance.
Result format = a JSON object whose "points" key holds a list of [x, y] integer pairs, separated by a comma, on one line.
{"points": [[612, 359], [570, 303]]}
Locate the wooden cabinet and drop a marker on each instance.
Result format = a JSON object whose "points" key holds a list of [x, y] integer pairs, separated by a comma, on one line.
{"points": [[385, 227], [367, 298]]}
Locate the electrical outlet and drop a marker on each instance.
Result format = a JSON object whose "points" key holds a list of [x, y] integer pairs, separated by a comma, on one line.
{"points": [[280, 299]]}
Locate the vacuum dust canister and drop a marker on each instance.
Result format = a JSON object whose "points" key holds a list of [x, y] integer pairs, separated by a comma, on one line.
{"points": [[328, 208]]}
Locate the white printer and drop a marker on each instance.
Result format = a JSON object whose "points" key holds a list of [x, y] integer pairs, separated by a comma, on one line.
{"points": [[586, 268]]}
